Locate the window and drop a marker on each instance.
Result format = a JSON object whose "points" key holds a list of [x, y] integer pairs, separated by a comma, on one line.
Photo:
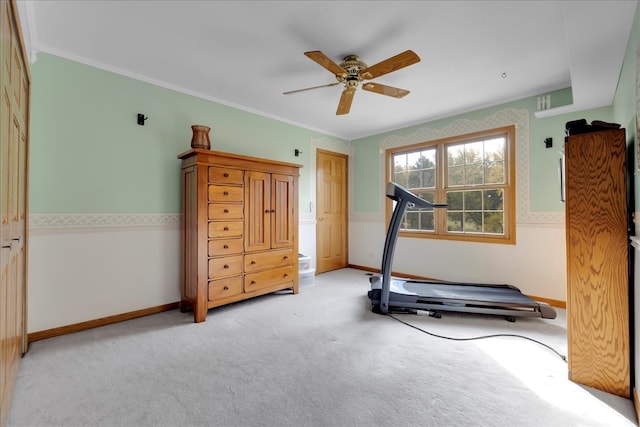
{"points": [[474, 174]]}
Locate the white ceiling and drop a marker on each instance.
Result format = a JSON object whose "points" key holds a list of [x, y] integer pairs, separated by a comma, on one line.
{"points": [[245, 54]]}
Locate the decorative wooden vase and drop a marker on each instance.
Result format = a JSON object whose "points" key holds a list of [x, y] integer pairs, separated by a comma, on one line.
{"points": [[200, 137]]}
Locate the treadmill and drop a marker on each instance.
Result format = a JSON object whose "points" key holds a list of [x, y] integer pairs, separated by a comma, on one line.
{"points": [[389, 294]]}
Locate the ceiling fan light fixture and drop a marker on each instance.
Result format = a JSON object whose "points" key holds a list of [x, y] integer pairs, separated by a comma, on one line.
{"points": [[351, 71]]}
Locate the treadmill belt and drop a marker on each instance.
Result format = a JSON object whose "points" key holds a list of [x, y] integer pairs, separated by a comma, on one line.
{"points": [[460, 293]]}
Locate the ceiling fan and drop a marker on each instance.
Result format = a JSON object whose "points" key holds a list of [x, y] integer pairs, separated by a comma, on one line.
{"points": [[352, 71]]}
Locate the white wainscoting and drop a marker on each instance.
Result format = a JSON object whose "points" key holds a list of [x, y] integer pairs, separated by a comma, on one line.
{"points": [[307, 239], [86, 267], [536, 264]]}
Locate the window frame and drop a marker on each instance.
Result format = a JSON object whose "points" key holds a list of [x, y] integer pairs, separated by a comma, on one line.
{"points": [[440, 220]]}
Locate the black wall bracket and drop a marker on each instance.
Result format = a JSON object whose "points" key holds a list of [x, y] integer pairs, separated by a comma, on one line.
{"points": [[141, 119], [548, 142]]}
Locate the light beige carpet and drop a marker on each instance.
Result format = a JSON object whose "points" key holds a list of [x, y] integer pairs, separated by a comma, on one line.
{"points": [[320, 358]]}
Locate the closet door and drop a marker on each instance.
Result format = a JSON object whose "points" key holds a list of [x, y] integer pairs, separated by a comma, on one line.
{"points": [[14, 116]]}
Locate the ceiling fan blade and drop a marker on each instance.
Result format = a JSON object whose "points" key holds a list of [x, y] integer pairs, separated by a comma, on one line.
{"points": [[309, 88], [385, 90], [345, 101], [389, 65], [326, 62]]}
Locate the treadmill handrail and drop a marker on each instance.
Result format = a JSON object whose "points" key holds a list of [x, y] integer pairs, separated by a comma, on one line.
{"points": [[397, 192], [403, 197]]}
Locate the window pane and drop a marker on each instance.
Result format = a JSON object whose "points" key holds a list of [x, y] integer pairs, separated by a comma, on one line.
{"points": [[454, 200], [494, 173], [494, 149], [414, 179], [494, 222], [411, 221], [472, 222], [456, 176], [493, 200], [455, 155], [473, 153], [454, 221], [429, 178], [415, 169], [474, 175], [426, 221], [473, 200], [402, 179], [429, 157], [420, 219]]}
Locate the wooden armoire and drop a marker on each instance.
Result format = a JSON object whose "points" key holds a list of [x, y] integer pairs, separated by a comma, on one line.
{"points": [[597, 261], [14, 154], [239, 228]]}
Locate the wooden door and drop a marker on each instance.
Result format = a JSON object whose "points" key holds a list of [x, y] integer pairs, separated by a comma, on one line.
{"points": [[282, 211], [331, 211], [257, 211], [597, 250], [14, 116]]}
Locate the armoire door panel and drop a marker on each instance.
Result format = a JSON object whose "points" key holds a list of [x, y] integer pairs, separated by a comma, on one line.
{"points": [[282, 230], [257, 231]]}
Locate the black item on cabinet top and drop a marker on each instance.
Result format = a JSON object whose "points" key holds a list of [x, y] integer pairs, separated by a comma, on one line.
{"points": [[576, 127]]}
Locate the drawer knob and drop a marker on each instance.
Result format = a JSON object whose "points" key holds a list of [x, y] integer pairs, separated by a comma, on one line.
{"points": [[226, 175], [226, 288], [253, 282], [226, 211], [226, 266], [286, 257], [267, 211], [253, 262], [286, 274], [225, 247], [226, 229], [226, 193]]}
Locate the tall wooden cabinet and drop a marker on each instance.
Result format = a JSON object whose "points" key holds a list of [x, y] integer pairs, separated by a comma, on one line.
{"points": [[597, 261], [14, 124], [240, 228]]}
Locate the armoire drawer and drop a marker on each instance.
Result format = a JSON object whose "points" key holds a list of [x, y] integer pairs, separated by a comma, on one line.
{"points": [[225, 193], [225, 247], [224, 288], [225, 175], [225, 267], [263, 279], [225, 228], [264, 260], [224, 211]]}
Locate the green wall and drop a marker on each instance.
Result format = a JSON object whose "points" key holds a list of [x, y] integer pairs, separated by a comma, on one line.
{"points": [[89, 155], [627, 100], [543, 162]]}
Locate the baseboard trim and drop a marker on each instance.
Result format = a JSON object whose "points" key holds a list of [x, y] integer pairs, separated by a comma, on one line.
{"points": [[82, 326], [552, 302]]}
